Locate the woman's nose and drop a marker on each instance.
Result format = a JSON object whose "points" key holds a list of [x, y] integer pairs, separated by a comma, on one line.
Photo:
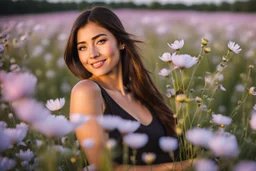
{"points": [[94, 52]]}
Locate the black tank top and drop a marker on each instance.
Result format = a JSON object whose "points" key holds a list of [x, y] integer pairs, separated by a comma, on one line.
{"points": [[154, 130]]}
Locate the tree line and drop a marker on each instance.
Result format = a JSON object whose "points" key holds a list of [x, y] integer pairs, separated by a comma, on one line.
{"points": [[9, 7]]}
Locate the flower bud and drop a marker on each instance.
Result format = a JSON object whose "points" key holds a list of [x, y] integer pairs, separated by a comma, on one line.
{"points": [[251, 66], [148, 157], [198, 99], [204, 42], [207, 50], [178, 131], [175, 115], [181, 98], [73, 159]]}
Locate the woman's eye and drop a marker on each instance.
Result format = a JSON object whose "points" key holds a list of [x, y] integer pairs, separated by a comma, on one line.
{"points": [[82, 48], [102, 41]]}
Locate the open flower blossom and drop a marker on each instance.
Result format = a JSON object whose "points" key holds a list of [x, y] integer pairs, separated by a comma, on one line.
{"points": [[221, 119], [87, 143], [18, 85], [5, 141], [136, 140], [252, 91], [166, 57], [29, 110], [200, 136], [168, 144], [127, 126], [205, 164], [17, 134], [6, 163], [54, 126], [183, 61], [148, 158], [164, 72], [245, 166], [254, 107], [224, 145], [253, 121], [108, 122], [234, 47], [176, 45], [56, 104], [25, 155], [78, 119]]}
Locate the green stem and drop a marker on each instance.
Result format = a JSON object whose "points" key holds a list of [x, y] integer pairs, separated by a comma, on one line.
{"points": [[134, 159]]}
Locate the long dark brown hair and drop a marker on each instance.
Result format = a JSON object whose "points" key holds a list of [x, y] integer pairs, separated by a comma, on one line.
{"points": [[135, 76]]}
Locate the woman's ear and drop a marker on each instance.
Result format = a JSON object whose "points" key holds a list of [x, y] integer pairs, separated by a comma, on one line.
{"points": [[121, 46]]}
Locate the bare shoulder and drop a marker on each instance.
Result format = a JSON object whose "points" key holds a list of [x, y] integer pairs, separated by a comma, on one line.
{"points": [[86, 98], [86, 86]]}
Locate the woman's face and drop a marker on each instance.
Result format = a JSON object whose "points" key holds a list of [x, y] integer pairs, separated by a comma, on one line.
{"points": [[98, 49]]}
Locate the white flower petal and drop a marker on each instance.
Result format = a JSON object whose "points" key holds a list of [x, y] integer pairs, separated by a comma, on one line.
{"points": [[136, 140], [168, 144], [221, 119]]}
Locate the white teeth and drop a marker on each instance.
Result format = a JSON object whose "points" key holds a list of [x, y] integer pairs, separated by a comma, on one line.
{"points": [[97, 64]]}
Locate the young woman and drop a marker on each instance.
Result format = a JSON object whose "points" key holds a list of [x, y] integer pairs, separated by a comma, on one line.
{"points": [[114, 81]]}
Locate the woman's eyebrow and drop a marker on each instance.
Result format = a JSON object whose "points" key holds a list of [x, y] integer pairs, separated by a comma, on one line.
{"points": [[93, 38]]}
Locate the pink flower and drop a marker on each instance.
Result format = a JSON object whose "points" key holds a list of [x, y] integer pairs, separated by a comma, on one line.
{"points": [[18, 85]]}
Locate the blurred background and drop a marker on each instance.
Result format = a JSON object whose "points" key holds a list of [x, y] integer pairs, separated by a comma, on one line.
{"points": [[36, 32]]}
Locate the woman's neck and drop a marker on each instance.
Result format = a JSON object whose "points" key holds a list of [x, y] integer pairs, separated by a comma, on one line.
{"points": [[112, 81]]}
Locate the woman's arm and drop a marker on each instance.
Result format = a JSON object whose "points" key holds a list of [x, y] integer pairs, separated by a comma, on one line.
{"points": [[86, 99], [175, 166]]}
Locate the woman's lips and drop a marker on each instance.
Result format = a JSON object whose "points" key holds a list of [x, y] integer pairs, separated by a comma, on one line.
{"points": [[98, 64]]}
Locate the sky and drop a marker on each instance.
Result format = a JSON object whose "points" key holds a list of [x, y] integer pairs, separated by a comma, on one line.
{"points": [[149, 1]]}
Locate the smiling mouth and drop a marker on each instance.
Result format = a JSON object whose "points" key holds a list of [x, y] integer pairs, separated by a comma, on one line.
{"points": [[98, 64]]}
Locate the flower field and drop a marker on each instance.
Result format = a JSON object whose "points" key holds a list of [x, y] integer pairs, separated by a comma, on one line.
{"points": [[203, 63]]}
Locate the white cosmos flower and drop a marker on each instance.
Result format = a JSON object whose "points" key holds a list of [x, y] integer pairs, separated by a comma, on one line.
{"points": [[164, 72], [224, 145], [78, 119], [109, 122], [136, 140], [199, 136], [125, 126], [54, 126], [29, 110], [5, 141], [148, 158], [253, 121], [183, 61], [234, 47], [168, 144], [56, 104], [166, 57], [245, 166], [87, 143], [205, 164], [176, 45], [252, 91], [18, 85], [221, 119], [6, 163], [25, 155], [17, 134], [254, 107]]}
